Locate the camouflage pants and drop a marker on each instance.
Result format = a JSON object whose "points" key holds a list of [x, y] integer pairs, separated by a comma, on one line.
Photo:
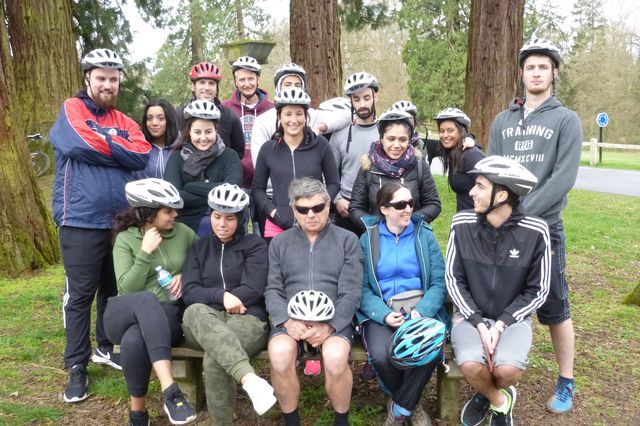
{"points": [[228, 341]]}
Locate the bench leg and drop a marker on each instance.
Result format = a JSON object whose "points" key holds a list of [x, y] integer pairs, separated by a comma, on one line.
{"points": [[448, 390], [187, 373]]}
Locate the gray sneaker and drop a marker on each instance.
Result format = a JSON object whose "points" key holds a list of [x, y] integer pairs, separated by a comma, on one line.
{"points": [[391, 419], [419, 417]]}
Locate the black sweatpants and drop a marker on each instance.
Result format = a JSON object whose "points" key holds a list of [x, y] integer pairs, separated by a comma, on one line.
{"points": [[88, 265], [403, 386], [145, 329]]}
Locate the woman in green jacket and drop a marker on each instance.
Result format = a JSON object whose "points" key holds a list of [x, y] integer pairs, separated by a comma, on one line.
{"points": [[145, 318]]}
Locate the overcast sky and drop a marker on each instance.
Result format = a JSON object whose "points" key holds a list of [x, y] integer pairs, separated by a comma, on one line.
{"points": [[147, 40]]}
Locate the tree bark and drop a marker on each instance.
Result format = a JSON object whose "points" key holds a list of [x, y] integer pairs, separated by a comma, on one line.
{"points": [[27, 234], [315, 45], [495, 36], [45, 62], [197, 36]]}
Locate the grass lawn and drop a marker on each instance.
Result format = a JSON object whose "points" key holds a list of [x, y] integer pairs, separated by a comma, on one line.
{"points": [[603, 256], [614, 159]]}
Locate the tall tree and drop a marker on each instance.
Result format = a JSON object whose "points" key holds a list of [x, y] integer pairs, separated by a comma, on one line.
{"points": [[492, 66], [45, 63], [435, 53], [315, 45], [27, 237], [215, 25]]}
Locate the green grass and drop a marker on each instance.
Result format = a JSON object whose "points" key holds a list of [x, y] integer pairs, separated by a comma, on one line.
{"points": [[614, 159], [603, 255]]}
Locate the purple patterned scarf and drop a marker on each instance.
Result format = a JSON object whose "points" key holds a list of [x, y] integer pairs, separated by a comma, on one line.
{"points": [[392, 168]]}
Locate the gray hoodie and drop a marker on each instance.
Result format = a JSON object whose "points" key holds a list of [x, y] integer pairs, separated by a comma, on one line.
{"points": [[549, 144], [333, 265]]}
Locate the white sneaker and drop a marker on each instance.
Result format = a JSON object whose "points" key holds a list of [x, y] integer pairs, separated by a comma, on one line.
{"points": [[260, 392]]}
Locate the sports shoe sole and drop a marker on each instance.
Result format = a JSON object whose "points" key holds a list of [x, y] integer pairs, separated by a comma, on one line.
{"points": [[104, 361], [189, 420], [76, 398], [551, 410]]}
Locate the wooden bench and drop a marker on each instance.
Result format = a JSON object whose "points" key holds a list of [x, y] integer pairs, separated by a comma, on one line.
{"points": [[187, 372]]}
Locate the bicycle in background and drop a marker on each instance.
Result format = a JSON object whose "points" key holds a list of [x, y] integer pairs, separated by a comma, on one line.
{"points": [[39, 159]]}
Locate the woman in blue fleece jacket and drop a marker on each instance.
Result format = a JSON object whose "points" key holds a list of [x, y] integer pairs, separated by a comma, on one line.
{"points": [[400, 254]]}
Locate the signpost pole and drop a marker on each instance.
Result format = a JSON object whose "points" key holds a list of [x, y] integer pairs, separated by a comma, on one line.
{"points": [[602, 119], [600, 147]]}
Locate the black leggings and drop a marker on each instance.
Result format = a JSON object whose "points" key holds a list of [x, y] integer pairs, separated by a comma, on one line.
{"points": [[403, 386], [145, 329]]}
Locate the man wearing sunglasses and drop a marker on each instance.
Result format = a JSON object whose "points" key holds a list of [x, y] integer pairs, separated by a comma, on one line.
{"points": [[314, 257], [497, 273]]}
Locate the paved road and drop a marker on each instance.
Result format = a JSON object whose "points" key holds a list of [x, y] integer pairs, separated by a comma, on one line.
{"points": [[610, 181], [621, 182]]}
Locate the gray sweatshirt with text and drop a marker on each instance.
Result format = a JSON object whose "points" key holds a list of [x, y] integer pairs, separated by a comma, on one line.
{"points": [[548, 143]]}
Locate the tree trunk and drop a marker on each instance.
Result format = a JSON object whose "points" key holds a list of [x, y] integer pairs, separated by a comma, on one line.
{"points": [[495, 36], [633, 298], [45, 62], [27, 234], [197, 36], [315, 45]]}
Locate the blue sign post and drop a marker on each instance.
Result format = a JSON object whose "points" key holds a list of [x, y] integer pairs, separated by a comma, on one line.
{"points": [[602, 119]]}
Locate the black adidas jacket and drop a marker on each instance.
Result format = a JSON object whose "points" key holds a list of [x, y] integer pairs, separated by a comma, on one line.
{"points": [[501, 274]]}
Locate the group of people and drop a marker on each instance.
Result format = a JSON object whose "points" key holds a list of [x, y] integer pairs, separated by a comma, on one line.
{"points": [[238, 225]]}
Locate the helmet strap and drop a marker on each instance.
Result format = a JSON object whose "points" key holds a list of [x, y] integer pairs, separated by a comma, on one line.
{"points": [[493, 205]]}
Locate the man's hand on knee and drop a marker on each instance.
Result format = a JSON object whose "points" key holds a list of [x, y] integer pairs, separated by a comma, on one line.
{"points": [[295, 328], [317, 333]]}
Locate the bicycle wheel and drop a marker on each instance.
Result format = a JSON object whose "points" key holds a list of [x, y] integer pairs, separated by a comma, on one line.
{"points": [[40, 162]]}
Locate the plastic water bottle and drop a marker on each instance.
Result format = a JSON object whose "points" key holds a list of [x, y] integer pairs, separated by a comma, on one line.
{"points": [[164, 279]]}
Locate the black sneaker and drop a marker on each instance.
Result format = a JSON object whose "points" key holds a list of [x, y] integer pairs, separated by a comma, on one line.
{"points": [[177, 407], [475, 410], [105, 355], [139, 418], [76, 389], [504, 419]]}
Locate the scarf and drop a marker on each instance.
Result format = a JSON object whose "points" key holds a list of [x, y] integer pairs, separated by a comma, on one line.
{"points": [[196, 161], [391, 168]]}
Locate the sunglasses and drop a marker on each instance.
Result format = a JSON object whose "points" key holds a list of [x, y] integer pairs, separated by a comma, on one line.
{"points": [[401, 205], [316, 209]]}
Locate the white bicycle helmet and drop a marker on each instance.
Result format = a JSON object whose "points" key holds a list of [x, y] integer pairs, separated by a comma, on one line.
{"points": [[336, 105], [290, 69], [405, 106], [358, 81], [292, 96], [395, 115], [455, 114], [246, 62], [228, 198], [507, 172], [311, 305], [540, 46], [202, 109], [154, 193], [102, 58]]}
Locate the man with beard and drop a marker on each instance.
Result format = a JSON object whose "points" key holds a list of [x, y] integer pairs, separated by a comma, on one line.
{"points": [[205, 86], [96, 150], [353, 141], [546, 138]]}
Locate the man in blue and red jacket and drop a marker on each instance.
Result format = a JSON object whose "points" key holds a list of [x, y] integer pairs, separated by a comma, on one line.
{"points": [[96, 150]]}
